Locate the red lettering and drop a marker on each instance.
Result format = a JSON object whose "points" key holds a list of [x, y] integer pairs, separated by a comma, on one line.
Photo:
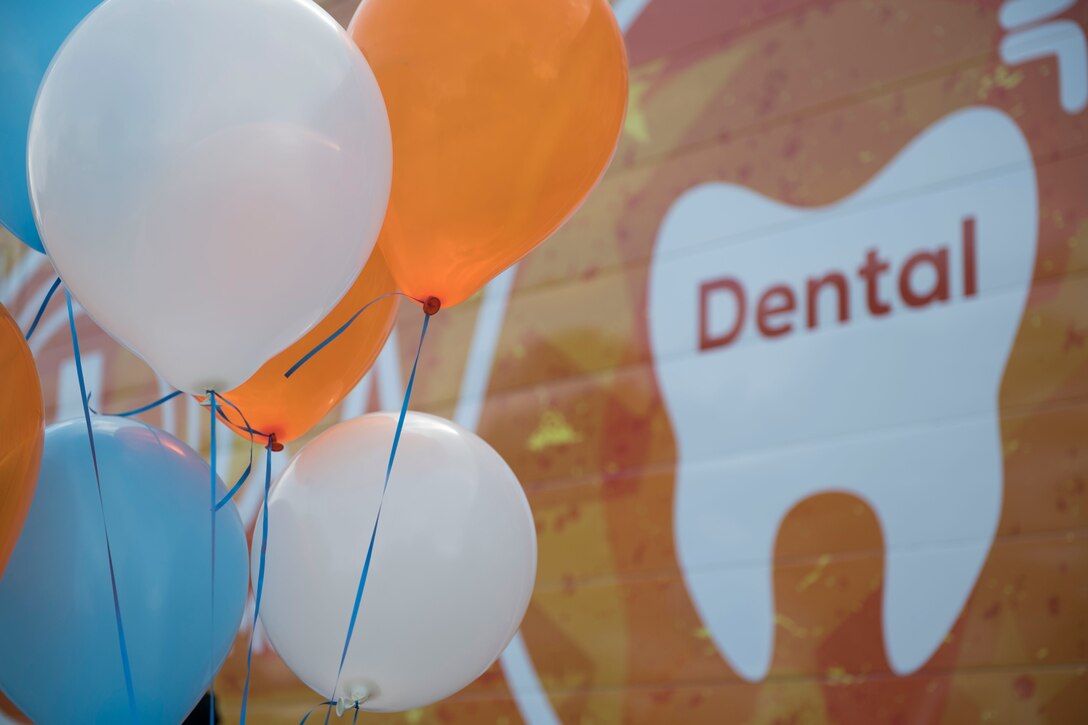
{"points": [[708, 341], [870, 272], [924, 278], [970, 261], [939, 262], [835, 279], [767, 308]]}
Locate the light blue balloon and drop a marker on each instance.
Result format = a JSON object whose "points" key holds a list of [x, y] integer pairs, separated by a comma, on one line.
{"points": [[31, 31], [59, 657]]}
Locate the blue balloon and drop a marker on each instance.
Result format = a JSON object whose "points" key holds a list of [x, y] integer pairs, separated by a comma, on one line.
{"points": [[59, 657], [31, 31]]}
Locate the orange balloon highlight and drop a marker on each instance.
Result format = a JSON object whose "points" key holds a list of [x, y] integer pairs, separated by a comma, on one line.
{"points": [[289, 407], [22, 433], [504, 116]]}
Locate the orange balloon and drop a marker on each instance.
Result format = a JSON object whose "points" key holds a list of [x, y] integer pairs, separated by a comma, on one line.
{"points": [[22, 432], [289, 407], [504, 116]]}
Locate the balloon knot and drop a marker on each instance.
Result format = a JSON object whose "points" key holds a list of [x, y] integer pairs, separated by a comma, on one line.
{"points": [[359, 695], [432, 305], [274, 445]]}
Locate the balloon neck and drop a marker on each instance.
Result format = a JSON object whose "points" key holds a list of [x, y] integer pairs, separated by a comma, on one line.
{"points": [[358, 695], [274, 445], [432, 305]]}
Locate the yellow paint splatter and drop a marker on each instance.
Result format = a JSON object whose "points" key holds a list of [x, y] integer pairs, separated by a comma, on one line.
{"points": [[553, 430], [1001, 78], [634, 124], [1004, 79], [790, 626], [814, 576], [839, 676]]}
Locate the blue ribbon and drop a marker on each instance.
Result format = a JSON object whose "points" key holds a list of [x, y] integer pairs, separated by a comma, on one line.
{"points": [[125, 666], [311, 710], [330, 704], [244, 425], [238, 484], [41, 309], [340, 330], [166, 398], [211, 633], [377, 518], [137, 411], [260, 579], [249, 467]]}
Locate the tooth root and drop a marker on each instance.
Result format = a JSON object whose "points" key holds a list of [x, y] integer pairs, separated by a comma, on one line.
{"points": [[742, 626], [936, 492], [726, 522], [939, 512], [924, 592]]}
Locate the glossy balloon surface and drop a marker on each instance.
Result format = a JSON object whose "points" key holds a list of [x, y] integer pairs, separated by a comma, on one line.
{"points": [[208, 177], [452, 569], [504, 116], [21, 432], [61, 661]]}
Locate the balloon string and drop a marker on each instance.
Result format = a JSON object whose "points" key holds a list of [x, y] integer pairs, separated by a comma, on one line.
{"points": [[238, 484], [211, 629], [41, 309], [311, 711], [260, 579], [137, 411], [249, 467], [244, 425], [125, 666], [377, 518], [320, 346]]}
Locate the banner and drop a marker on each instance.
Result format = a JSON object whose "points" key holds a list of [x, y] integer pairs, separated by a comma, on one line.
{"points": [[799, 397]]}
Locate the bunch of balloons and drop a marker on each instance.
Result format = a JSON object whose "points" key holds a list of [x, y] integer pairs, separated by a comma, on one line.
{"points": [[223, 185]]}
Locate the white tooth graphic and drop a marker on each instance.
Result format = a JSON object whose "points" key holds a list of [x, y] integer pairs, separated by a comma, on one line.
{"points": [[857, 347]]}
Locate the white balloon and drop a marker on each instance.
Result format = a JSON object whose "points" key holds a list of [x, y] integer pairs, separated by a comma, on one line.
{"points": [[209, 177], [451, 574]]}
